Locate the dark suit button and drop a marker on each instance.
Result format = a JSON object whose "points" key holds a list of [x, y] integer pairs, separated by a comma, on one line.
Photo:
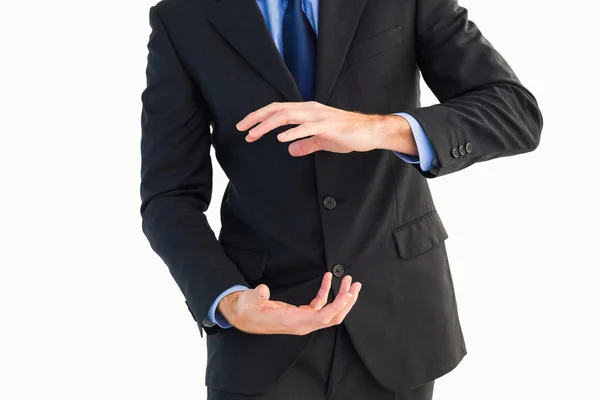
{"points": [[461, 150], [455, 152], [329, 203], [469, 147], [338, 270]]}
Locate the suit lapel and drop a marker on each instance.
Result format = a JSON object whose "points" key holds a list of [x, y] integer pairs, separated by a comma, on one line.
{"points": [[243, 26], [338, 20]]}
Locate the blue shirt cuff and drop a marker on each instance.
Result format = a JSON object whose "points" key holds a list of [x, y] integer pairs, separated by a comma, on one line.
{"points": [[426, 157], [214, 315]]}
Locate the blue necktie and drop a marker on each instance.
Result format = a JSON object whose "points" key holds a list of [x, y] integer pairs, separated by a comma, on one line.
{"points": [[299, 48]]}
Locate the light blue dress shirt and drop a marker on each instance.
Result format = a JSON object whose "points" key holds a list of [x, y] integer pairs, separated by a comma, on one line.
{"points": [[273, 11]]}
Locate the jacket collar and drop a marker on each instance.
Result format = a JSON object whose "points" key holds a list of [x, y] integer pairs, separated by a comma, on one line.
{"points": [[242, 24]]}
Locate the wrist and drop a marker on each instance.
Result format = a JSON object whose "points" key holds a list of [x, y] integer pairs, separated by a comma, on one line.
{"points": [[227, 307], [397, 135]]}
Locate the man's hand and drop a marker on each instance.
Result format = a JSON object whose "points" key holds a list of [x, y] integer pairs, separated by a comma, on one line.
{"points": [[326, 128], [251, 310]]}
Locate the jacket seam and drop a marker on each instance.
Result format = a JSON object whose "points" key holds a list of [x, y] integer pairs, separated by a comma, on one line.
{"points": [[394, 187]]}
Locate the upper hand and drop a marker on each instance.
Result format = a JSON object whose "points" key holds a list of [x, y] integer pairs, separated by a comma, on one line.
{"points": [[326, 128], [251, 310]]}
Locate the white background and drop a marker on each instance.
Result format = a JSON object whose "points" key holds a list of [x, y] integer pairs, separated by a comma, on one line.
{"points": [[88, 311]]}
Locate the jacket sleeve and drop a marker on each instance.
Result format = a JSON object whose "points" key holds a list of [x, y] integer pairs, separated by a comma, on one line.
{"points": [[176, 178], [484, 111]]}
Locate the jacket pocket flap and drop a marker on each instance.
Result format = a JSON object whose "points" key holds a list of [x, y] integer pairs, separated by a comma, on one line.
{"points": [[251, 263], [420, 235]]}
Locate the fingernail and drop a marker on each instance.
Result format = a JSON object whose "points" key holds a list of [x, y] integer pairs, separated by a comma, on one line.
{"points": [[281, 136], [359, 287]]}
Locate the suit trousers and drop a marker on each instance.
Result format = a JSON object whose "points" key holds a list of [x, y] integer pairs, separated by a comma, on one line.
{"points": [[328, 369]]}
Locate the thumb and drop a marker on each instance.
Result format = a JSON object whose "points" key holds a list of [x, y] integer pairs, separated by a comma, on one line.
{"points": [[262, 293]]}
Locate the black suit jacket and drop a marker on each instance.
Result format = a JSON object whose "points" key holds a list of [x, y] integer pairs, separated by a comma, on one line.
{"points": [[210, 63]]}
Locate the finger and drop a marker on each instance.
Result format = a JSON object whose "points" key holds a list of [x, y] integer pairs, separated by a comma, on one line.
{"points": [[307, 129], [308, 319], [301, 321], [261, 293], [321, 299], [285, 116], [253, 299], [339, 317], [305, 147], [324, 316], [263, 113], [339, 302], [258, 115], [345, 285]]}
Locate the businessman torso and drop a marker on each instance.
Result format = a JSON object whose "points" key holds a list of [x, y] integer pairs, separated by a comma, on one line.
{"points": [[286, 220]]}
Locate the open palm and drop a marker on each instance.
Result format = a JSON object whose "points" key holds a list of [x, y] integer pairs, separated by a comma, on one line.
{"points": [[255, 313]]}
